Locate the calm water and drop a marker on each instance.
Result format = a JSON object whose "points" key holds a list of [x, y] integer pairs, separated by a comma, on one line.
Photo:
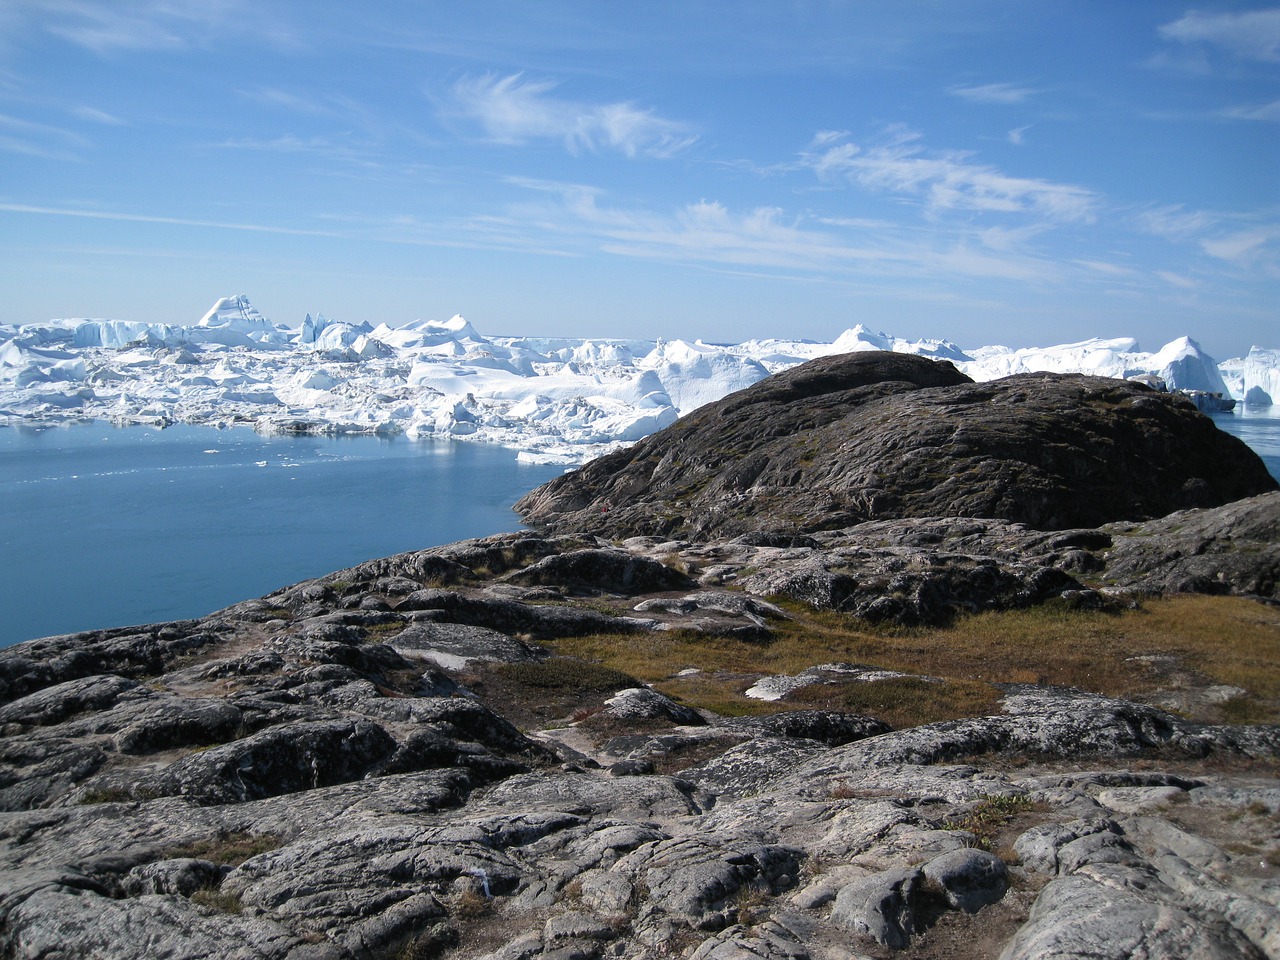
{"points": [[108, 527], [1259, 427]]}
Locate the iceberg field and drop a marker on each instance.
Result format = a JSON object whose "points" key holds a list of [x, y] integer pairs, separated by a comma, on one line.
{"points": [[556, 400]]}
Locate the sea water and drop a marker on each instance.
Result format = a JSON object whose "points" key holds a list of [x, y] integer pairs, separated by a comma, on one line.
{"points": [[1259, 427], [104, 526]]}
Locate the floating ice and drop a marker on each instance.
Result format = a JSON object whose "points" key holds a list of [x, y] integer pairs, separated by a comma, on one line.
{"points": [[557, 400]]}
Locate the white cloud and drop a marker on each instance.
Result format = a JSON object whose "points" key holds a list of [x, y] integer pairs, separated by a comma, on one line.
{"points": [[514, 110], [949, 180], [146, 218], [1244, 240], [1265, 111], [1253, 34], [1237, 245], [1176, 279], [114, 26], [1016, 135], [39, 139], [768, 239], [94, 115], [1103, 267], [1175, 223], [993, 93]]}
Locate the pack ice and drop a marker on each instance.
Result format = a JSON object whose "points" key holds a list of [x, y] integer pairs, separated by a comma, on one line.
{"points": [[554, 399]]}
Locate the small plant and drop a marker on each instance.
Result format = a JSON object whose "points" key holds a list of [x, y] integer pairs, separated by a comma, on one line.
{"points": [[104, 795], [565, 673], [470, 903], [747, 905], [229, 849], [430, 944], [382, 631], [218, 900], [985, 818], [674, 562]]}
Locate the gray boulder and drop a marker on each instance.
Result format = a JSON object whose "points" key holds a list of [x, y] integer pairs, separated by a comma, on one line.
{"points": [[970, 879], [881, 907], [641, 703]]}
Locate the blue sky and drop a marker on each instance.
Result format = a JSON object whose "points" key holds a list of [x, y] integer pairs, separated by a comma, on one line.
{"points": [[991, 171]]}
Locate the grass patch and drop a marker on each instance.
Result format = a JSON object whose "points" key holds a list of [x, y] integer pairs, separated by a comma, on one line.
{"points": [[988, 818], [904, 701], [534, 694], [229, 849], [104, 795], [378, 632], [215, 899], [1214, 640], [560, 673]]}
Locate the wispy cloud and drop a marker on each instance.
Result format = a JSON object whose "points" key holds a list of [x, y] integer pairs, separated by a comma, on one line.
{"points": [[1107, 268], [948, 180], [1016, 136], [1174, 222], [147, 218], [94, 115], [1252, 34], [514, 110], [110, 26], [1264, 111], [40, 139], [993, 93], [1239, 245], [1243, 240], [770, 240], [1176, 280], [288, 101]]}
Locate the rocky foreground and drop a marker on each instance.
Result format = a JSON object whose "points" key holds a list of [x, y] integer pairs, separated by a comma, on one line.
{"points": [[308, 775], [391, 762]]}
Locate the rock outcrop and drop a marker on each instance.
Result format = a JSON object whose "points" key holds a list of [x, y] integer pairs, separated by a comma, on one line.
{"points": [[333, 772], [878, 436]]}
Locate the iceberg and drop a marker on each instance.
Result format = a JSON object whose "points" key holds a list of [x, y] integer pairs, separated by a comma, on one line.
{"points": [[1260, 377], [555, 399]]}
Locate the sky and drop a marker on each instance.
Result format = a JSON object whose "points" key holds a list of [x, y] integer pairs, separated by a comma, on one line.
{"points": [[986, 171]]}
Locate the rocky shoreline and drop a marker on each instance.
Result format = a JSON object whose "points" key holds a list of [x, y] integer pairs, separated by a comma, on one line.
{"points": [[391, 762]]}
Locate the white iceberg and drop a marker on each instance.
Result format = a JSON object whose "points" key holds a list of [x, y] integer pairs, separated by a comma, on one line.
{"points": [[556, 399], [1260, 377]]}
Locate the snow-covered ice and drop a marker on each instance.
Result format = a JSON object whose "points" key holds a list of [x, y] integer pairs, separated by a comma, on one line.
{"points": [[556, 400]]}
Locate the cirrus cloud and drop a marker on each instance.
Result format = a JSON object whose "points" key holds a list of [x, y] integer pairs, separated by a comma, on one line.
{"points": [[1253, 34], [515, 110], [947, 180]]}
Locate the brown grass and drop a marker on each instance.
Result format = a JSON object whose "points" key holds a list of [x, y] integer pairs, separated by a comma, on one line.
{"points": [[229, 849], [1211, 640], [903, 701]]}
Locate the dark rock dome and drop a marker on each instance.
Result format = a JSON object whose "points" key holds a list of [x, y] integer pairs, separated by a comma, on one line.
{"points": [[873, 436]]}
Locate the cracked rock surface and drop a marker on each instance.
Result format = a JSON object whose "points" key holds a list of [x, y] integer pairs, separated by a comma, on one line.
{"points": [[310, 776]]}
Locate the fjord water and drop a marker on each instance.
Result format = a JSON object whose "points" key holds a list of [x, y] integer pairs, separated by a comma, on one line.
{"points": [[105, 526], [1259, 427]]}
